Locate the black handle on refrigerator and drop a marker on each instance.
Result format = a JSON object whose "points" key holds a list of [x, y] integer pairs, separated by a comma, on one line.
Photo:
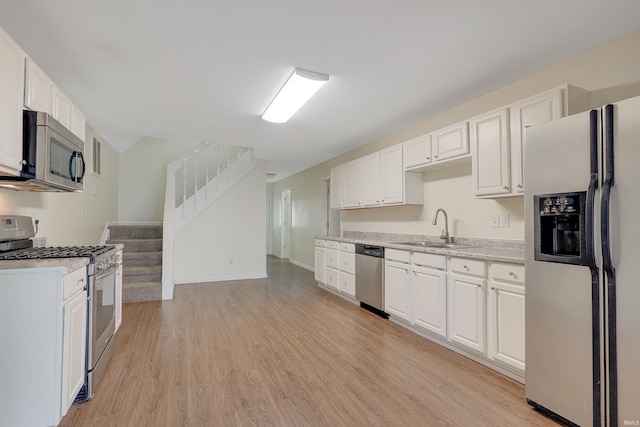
{"points": [[591, 263], [607, 263]]}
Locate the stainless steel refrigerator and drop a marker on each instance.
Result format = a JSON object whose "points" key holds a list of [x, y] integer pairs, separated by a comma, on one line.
{"points": [[582, 266]]}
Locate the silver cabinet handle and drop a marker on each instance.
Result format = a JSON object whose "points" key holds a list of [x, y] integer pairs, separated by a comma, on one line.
{"points": [[493, 288], [505, 187], [520, 186], [512, 274]]}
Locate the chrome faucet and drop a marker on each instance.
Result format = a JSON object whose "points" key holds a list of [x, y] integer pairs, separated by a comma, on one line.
{"points": [[445, 232]]}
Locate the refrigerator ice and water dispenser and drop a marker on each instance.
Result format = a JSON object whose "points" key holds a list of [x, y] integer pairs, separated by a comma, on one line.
{"points": [[560, 228]]}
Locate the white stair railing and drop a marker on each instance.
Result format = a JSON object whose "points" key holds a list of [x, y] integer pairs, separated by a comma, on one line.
{"points": [[194, 182]]}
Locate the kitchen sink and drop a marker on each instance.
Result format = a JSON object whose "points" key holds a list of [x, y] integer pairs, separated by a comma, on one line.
{"points": [[443, 245]]}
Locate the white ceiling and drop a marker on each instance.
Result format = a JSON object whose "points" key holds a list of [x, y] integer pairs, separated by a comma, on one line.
{"points": [[205, 70]]}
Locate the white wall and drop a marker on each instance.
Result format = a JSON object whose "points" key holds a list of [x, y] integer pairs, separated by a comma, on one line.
{"points": [[610, 72], [68, 219], [228, 240], [143, 178]]}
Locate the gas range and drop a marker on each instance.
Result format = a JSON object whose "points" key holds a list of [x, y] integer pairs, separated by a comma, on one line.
{"points": [[16, 233]]}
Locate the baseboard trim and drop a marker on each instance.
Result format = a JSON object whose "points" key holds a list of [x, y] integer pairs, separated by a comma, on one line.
{"points": [[229, 278], [299, 264]]}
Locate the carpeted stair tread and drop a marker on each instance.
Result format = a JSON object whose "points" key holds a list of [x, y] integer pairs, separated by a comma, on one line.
{"points": [[135, 232], [141, 291]]}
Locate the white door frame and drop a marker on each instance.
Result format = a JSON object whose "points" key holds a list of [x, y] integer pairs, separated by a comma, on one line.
{"points": [[269, 223], [285, 218]]}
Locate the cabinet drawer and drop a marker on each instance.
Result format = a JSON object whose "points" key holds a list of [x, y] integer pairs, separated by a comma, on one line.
{"points": [[429, 260], [396, 255], [468, 266], [508, 272], [331, 258], [332, 278], [332, 244], [321, 243], [348, 247], [348, 262], [347, 283], [74, 282]]}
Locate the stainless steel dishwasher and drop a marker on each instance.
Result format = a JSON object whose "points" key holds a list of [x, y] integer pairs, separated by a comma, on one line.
{"points": [[370, 278]]}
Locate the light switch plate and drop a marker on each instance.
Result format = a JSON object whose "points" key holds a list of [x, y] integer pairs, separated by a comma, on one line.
{"points": [[505, 221], [495, 221]]}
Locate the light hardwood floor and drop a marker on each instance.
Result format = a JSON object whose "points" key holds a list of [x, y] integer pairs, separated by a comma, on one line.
{"points": [[282, 352]]}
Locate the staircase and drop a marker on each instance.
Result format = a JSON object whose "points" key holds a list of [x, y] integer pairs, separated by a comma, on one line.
{"points": [[142, 261]]}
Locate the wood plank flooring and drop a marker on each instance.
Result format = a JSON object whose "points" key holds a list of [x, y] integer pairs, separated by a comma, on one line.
{"points": [[282, 352]]}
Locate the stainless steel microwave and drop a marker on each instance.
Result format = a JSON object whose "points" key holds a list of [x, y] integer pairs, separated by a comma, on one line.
{"points": [[52, 157]]}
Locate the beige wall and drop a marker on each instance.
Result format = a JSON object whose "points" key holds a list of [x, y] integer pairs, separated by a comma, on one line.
{"points": [[73, 218], [143, 178], [610, 72]]}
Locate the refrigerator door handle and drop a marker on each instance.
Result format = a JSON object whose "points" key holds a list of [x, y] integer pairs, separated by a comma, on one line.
{"points": [[591, 263], [607, 264]]}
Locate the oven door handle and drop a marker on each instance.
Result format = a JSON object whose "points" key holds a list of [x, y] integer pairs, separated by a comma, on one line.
{"points": [[112, 269]]}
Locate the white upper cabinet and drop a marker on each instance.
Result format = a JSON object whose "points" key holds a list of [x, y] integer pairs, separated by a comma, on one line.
{"points": [[490, 154], [352, 184], [391, 176], [12, 60], [378, 179], [452, 141], [538, 109], [62, 107], [41, 94], [492, 160], [38, 93], [371, 180], [417, 151]]}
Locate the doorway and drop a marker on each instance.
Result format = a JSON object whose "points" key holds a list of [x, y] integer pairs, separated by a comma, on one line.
{"points": [[285, 251]]}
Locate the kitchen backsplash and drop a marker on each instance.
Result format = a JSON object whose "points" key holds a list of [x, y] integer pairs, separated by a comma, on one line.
{"points": [[471, 241]]}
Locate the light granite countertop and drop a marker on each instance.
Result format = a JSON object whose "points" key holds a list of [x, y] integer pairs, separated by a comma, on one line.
{"points": [[71, 264], [511, 251]]}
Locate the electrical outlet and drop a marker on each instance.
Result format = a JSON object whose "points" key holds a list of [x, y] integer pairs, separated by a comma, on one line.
{"points": [[505, 220], [495, 221], [414, 220], [230, 260]]}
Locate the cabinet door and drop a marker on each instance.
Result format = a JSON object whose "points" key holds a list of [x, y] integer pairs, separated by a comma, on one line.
{"points": [[331, 258], [78, 121], [538, 109], [320, 266], [352, 184], [347, 283], [397, 284], [506, 323], [62, 108], [429, 299], [417, 151], [392, 176], [74, 348], [331, 276], [467, 311], [336, 187], [452, 141], [38, 89], [12, 60], [371, 180], [491, 158]]}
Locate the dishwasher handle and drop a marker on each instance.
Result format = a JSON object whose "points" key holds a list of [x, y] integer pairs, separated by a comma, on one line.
{"points": [[370, 250]]}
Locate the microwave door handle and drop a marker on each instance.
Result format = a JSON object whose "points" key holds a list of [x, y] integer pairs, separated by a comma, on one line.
{"points": [[76, 177]]}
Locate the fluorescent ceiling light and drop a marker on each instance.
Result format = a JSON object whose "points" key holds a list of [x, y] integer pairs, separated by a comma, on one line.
{"points": [[300, 86]]}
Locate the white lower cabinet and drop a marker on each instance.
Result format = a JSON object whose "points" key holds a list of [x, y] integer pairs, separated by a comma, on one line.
{"points": [[429, 292], [74, 348], [339, 266], [347, 275], [320, 264], [43, 356], [397, 283], [506, 314], [466, 308]]}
